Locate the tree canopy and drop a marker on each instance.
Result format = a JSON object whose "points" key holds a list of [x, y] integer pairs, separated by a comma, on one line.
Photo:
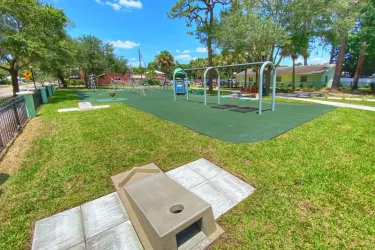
{"points": [[29, 31]]}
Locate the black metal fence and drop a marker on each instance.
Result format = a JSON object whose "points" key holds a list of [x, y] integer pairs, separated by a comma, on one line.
{"points": [[13, 116], [37, 98]]}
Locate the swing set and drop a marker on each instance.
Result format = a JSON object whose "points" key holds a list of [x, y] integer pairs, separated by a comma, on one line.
{"points": [[182, 88]]}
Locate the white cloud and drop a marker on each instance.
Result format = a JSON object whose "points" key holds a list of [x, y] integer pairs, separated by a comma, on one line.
{"points": [[177, 50], [186, 51], [124, 44], [115, 6], [299, 60], [318, 59], [201, 50], [131, 4], [122, 4], [184, 57]]}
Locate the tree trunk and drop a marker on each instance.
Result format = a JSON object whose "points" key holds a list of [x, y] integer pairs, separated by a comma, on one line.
{"points": [[210, 52], [305, 61], [359, 65], [339, 64], [294, 74], [267, 83], [332, 54], [245, 76], [14, 74], [61, 77]]}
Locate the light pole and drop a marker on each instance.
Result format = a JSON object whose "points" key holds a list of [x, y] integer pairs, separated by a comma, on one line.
{"points": [[32, 73]]}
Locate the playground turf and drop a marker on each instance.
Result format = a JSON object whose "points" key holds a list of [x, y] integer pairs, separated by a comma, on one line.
{"points": [[222, 124]]}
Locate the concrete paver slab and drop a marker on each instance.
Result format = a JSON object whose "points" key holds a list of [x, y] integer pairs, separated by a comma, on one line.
{"points": [[218, 200], [102, 214], [81, 246], [121, 237], [205, 168], [85, 106], [232, 186], [60, 231], [185, 176]]}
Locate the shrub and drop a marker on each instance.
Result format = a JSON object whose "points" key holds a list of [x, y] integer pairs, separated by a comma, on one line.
{"points": [[153, 81], [372, 86], [5, 81], [75, 82]]}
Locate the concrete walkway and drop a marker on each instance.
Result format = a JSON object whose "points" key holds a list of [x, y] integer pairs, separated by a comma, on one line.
{"points": [[104, 223], [336, 104]]}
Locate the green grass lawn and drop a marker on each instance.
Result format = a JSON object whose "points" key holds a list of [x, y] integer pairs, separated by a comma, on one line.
{"points": [[366, 103], [315, 183]]}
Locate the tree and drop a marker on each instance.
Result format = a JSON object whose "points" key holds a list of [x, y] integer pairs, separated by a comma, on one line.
{"points": [[201, 13], [60, 59], [28, 31], [366, 34], [96, 57], [165, 61], [341, 16]]}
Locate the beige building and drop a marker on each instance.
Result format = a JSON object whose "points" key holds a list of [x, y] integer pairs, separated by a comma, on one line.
{"points": [[309, 76]]}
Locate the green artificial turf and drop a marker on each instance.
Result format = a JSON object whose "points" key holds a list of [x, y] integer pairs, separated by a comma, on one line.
{"points": [[315, 183], [222, 124]]}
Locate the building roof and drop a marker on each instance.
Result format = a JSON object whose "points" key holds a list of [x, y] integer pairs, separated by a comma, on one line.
{"points": [[300, 70]]}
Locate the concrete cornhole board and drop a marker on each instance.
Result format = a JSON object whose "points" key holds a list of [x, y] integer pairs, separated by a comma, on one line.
{"points": [[83, 106], [164, 214]]}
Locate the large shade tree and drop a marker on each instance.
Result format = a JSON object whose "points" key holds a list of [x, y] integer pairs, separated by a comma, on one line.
{"points": [[97, 57], [29, 30], [60, 59], [201, 14], [340, 18]]}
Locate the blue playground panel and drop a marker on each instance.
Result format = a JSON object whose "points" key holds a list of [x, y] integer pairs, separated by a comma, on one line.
{"points": [[179, 86]]}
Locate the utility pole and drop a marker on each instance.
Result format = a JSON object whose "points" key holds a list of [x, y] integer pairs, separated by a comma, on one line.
{"points": [[140, 61]]}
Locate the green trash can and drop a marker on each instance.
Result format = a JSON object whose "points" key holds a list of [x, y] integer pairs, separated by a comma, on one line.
{"points": [[49, 90], [43, 92], [29, 102]]}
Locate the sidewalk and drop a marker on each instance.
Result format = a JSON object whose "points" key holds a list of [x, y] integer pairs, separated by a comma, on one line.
{"points": [[336, 104]]}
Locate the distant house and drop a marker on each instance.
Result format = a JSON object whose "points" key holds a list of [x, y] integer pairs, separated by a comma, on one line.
{"points": [[315, 76], [109, 78]]}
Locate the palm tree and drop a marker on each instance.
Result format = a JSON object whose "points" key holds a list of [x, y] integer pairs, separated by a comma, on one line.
{"points": [[165, 61], [289, 51]]}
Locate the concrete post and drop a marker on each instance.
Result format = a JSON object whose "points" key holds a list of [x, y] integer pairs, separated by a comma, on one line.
{"points": [[49, 90], [29, 102], [44, 94]]}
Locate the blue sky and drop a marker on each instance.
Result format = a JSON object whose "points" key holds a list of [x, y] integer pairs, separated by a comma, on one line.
{"points": [[133, 24]]}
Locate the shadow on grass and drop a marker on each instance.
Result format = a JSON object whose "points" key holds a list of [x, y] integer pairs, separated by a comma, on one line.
{"points": [[61, 96], [3, 178]]}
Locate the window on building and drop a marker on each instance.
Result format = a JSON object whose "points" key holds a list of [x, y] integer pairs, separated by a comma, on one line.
{"points": [[117, 78], [251, 79], [303, 79], [278, 78], [326, 79]]}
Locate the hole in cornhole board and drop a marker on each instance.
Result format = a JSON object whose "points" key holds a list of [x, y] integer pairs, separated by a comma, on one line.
{"points": [[225, 106], [190, 235], [244, 109]]}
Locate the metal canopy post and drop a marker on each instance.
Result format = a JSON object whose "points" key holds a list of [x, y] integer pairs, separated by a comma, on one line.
{"points": [[205, 85], [261, 86]]}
